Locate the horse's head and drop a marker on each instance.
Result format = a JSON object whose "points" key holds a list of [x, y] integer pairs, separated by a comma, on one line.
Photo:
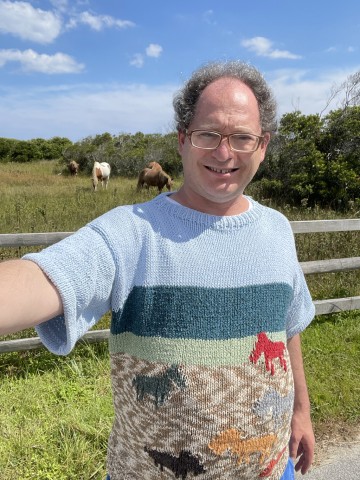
{"points": [[263, 339], [176, 376]]}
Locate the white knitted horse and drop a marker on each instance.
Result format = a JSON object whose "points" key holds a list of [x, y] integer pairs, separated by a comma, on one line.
{"points": [[101, 171]]}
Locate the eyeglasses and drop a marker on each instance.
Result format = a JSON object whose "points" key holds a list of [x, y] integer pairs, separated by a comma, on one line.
{"points": [[239, 142]]}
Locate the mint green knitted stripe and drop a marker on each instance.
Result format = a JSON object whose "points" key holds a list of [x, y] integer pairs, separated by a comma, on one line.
{"points": [[210, 353]]}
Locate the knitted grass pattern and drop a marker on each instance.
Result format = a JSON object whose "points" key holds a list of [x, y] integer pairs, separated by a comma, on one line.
{"points": [[202, 307]]}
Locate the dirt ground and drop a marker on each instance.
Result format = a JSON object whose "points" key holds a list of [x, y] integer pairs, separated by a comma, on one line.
{"points": [[334, 441]]}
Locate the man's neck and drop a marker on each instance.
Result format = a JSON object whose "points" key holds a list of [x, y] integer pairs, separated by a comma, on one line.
{"points": [[232, 207]]}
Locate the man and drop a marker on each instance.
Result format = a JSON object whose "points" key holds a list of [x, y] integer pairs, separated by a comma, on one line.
{"points": [[207, 301]]}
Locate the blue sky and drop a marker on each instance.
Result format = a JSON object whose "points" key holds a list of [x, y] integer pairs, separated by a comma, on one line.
{"points": [[79, 67]]}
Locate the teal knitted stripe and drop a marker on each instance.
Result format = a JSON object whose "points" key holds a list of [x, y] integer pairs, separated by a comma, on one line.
{"points": [[203, 313], [208, 353]]}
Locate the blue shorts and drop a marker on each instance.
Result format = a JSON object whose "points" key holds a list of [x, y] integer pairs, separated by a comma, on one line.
{"points": [[289, 473]]}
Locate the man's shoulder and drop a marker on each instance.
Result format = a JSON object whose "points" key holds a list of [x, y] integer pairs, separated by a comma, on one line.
{"points": [[126, 216], [274, 219]]}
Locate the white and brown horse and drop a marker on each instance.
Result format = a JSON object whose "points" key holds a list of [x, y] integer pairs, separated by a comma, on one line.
{"points": [[101, 172]]}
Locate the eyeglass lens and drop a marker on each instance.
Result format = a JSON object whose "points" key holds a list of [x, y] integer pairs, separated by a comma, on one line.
{"points": [[238, 141]]}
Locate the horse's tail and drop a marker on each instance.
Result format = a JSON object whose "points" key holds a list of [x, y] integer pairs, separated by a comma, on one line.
{"points": [[169, 184], [94, 176], [141, 179]]}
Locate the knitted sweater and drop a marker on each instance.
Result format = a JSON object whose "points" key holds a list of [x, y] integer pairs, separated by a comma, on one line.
{"points": [[202, 307]]}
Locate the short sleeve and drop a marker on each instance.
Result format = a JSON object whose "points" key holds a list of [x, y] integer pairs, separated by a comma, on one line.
{"points": [[82, 269], [302, 309]]}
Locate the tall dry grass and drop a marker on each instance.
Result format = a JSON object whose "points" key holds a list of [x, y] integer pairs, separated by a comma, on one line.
{"points": [[56, 412]]}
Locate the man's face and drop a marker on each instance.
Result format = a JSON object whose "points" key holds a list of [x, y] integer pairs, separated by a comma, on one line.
{"points": [[225, 106]]}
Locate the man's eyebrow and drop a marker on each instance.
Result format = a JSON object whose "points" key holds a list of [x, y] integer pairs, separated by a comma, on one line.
{"points": [[237, 128], [244, 128]]}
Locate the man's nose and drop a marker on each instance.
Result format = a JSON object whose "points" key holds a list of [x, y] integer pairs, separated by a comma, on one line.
{"points": [[223, 151]]}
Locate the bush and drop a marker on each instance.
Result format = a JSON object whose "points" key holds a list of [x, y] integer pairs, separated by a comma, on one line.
{"points": [[22, 151], [313, 158]]}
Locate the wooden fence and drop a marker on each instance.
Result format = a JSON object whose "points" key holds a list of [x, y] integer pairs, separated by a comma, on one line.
{"points": [[322, 307]]}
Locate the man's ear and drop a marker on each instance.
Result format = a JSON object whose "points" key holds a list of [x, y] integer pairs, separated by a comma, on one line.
{"points": [[181, 138], [264, 144]]}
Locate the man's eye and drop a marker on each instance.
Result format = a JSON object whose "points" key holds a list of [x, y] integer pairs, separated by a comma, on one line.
{"points": [[208, 135], [243, 138]]}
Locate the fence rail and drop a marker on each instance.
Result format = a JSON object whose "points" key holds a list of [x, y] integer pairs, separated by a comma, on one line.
{"points": [[322, 307], [306, 226]]}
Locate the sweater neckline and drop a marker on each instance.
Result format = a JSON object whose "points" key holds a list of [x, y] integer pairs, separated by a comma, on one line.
{"points": [[211, 221]]}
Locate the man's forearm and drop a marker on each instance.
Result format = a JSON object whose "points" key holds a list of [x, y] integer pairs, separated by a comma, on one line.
{"points": [[302, 439], [27, 297], [301, 401]]}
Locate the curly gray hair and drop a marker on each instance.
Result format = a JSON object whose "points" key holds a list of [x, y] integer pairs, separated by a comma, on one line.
{"points": [[185, 100]]}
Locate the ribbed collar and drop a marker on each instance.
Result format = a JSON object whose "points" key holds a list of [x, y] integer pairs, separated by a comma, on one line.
{"points": [[210, 221]]}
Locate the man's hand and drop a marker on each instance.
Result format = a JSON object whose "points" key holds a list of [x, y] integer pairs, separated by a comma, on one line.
{"points": [[302, 440]]}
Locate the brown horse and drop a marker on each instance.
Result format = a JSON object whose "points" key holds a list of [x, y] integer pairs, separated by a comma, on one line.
{"points": [[155, 167], [157, 178], [73, 168]]}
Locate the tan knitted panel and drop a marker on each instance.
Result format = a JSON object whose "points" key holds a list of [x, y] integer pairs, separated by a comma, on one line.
{"points": [[197, 421]]}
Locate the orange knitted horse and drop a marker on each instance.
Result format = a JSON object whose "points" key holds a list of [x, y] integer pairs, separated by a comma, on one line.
{"points": [[231, 438]]}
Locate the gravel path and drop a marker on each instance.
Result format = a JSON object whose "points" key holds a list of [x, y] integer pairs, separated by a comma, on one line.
{"points": [[337, 463]]}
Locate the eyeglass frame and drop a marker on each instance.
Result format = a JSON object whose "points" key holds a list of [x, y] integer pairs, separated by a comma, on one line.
{"points": [[222, 136]]}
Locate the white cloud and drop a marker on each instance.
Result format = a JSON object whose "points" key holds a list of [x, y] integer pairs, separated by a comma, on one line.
{"points": [[29, 23], [138, 60], [153, 50], [80, 110], [351, 49], [207, 16], [331, 49], [98, 22], [312, 90], [60, 4], [35, 62], [263, 48]]}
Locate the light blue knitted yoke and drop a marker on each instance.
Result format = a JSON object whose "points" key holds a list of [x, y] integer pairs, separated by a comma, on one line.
{"points": [[187, 291]]}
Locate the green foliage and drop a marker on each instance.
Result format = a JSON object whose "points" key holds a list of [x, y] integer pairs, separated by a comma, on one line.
{"points": [[56, 414], [331, 351], [22, 151], [314, 159]]}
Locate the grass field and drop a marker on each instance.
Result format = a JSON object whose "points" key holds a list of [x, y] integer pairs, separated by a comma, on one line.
{"points": [[56, 412]]}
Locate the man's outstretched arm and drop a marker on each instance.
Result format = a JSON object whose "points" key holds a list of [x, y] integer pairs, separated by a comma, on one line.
{"points": [[302, 440], [27, 296]]}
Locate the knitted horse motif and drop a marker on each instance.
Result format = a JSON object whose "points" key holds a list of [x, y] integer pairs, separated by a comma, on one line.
{"points": [[158, 387], [181, 465], [271, 351], [272, 399], [268, 470], [232, 438]]}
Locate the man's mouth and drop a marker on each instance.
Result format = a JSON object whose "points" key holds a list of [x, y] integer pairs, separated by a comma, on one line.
{"points": [[228, 170]]}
